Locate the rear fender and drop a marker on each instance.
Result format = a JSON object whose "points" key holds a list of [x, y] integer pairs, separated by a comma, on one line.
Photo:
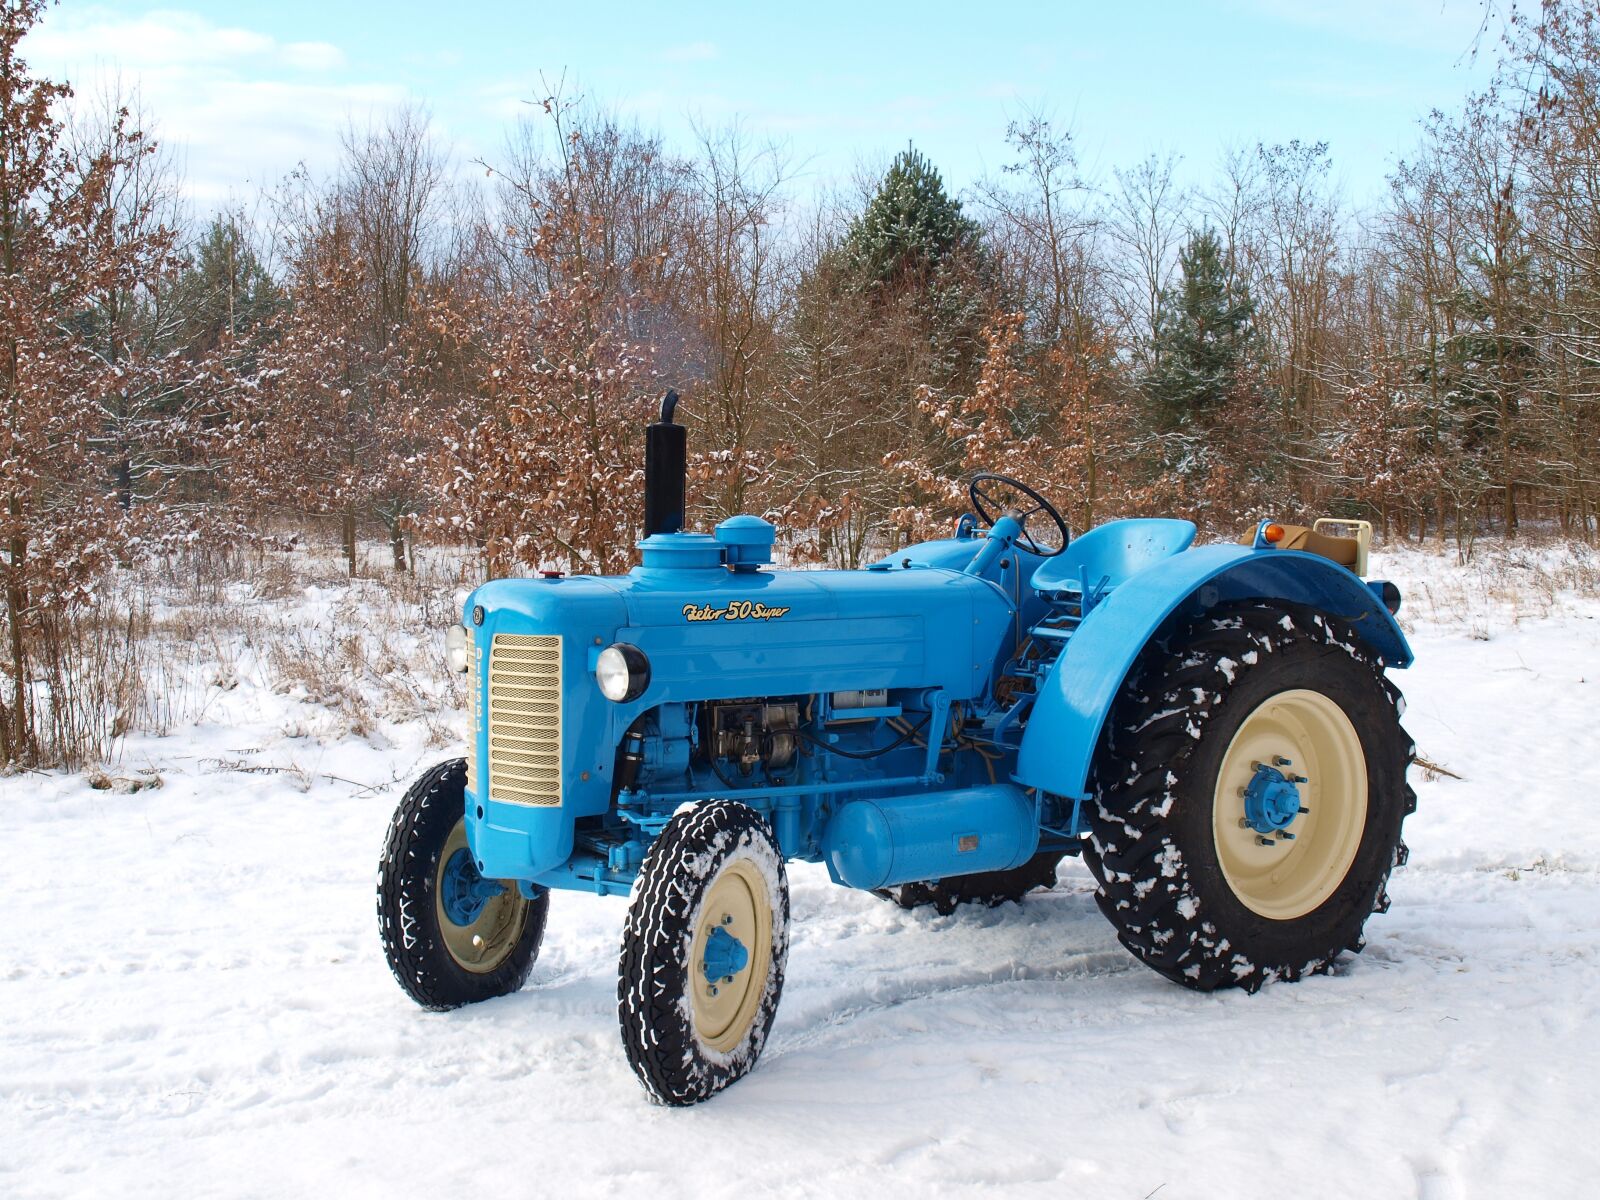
{"points": [[1064, 727]]}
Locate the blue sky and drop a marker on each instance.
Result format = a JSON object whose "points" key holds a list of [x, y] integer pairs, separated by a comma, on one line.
{"points": [[245, 90]]}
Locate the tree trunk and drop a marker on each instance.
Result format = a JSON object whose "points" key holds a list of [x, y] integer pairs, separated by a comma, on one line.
{"points": [[397, 546], [16, 605], [125, 483], [348, 534]]}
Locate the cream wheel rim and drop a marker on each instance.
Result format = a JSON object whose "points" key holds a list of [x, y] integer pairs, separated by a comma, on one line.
{"points": [[1308, 738], [486, 943], [724, 1007]]}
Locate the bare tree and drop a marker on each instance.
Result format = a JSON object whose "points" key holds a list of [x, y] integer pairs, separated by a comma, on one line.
{"points": [[133, 322], [1045, 233], [1148, 219], [733, 297]]}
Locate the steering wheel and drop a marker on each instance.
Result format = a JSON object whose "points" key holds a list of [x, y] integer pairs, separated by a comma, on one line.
{"points": [[990, 500]]}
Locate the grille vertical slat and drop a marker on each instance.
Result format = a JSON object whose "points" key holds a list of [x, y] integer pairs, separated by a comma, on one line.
{"points": [[474, 718], [525, 719]]}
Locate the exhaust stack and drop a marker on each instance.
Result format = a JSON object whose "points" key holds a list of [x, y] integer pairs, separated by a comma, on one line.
{"points": [[666, 464]]}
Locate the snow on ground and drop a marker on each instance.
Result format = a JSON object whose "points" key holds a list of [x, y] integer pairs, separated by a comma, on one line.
{"points": [[193, 1000]]}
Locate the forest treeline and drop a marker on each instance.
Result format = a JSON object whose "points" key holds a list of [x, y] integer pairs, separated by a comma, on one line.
{"points": [[394, 350]]}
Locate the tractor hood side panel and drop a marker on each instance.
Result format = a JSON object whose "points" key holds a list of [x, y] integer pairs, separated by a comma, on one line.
{"points": [[722, 635]]}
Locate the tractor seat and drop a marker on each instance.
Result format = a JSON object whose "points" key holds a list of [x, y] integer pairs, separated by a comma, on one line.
{"points": [[1110, 553]]}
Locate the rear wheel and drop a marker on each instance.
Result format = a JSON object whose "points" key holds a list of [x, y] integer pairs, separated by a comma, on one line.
{"points": [[989, 888], [451, 936], [1249, 795]]}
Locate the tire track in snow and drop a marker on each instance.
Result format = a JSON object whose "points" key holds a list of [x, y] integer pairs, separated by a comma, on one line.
{"points": [[844, 1010]]}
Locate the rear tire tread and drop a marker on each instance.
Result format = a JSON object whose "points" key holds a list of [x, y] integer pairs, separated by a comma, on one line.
{"points": [[1145, 888]]}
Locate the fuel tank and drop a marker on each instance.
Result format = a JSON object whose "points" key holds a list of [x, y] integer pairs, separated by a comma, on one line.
{"points": [[883, 842]]}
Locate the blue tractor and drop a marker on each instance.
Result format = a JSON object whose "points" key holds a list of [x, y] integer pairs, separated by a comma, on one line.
{"points": [[1210, 727]]}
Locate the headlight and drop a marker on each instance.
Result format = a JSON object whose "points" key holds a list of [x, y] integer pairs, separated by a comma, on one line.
{"points": [[623, 672], [455, 649]]}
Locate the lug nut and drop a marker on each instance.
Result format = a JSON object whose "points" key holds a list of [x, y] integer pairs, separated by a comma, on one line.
{"points": [[1244, 822], [1288, 837], [713, 989], [1261, 841], [1304, 811], [727, 919], [1279, 761]]}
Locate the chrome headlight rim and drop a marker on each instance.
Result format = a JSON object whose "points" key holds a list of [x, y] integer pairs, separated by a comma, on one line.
{"points": [[622, 672], [457, 649]]}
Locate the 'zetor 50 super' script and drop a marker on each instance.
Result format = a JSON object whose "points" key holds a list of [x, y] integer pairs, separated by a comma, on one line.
{"points": [[738, 610]]}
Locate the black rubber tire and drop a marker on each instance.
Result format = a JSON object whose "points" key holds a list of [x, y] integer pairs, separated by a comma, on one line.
{"points": [[1152, 849], [408, 917], [989, 888], [658, 1034]]}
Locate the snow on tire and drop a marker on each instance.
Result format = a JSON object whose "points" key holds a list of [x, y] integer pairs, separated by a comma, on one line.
{"points": [[1195, 890], [438, 963], [703, 952]]}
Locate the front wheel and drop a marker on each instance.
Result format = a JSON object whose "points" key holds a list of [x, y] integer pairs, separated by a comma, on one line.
{"points": [[451, 936], [1249, 796], [703, 952]]}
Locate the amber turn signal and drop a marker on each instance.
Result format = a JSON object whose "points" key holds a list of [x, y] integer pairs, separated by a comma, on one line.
{"points": [[1273, 534]]}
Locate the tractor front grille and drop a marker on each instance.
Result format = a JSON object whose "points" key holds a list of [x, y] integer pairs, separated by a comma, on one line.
{"points": [[525, 719]]}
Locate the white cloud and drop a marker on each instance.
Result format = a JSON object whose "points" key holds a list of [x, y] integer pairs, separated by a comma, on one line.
{"points": [[168, 39], [238, 106], [313, 56]]}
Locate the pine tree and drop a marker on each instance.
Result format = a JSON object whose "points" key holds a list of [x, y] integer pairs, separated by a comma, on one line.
{"points": [[893, 312], [1205, 338], [223, 292], [910, 226]]}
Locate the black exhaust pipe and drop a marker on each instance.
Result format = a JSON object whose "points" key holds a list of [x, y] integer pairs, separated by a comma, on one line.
{"points": [[666, 465]]}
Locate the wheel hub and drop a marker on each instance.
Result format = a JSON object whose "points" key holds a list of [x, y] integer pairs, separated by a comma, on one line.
{"points": [[725, 956], [463, 891], [1272, 799]]}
